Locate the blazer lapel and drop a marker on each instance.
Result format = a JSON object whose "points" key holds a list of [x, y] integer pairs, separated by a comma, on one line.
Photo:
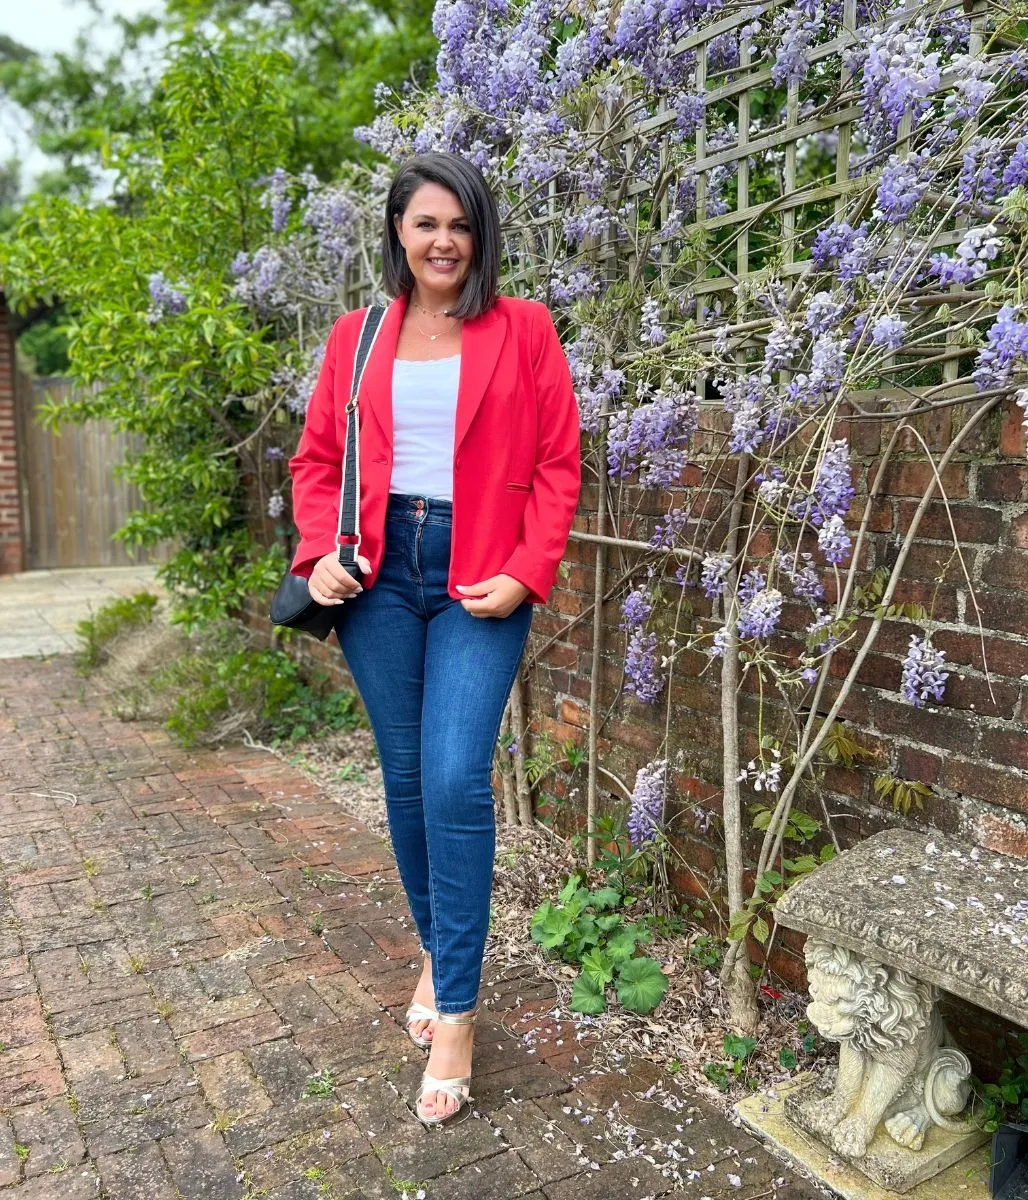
{"points": [[481, 343], [376, 392]]}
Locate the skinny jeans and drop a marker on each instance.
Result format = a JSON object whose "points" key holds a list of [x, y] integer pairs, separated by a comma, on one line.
{"points": [[434, 681]]}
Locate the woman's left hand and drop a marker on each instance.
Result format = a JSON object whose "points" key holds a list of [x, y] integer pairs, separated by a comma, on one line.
{"points": [[495, 597]]}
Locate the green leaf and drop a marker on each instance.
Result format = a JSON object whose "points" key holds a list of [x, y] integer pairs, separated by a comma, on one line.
{"points": [[551, 926], [599, 966], [605, 897], [787, 1059], [622, 945], [739, 925], [641, 984], [760, 930], [739, 1048], [587, 996], [608, 922]]}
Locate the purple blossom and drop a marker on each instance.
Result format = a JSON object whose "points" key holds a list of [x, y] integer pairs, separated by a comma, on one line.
{"points": [[636, 609], [667, 532], [750, 584], [802, 574], [836, 242], [782, 345], [833, 541], [1007, 348], [642, 676], [274, 453], [809, 675], [970, 90], [653, 333], [720, 643], [276, 198], [977, 249], [823, 313], [797, 28], [828, 363], [690, 109], [744, 398], [165, 300], [981, 171], [276, 505], [923, 672], [714, 575], [1015, 174], [888, 331], [901, 186], [651, 438], [899, 78], [760, 615], [593, 396], [646, 815], [833, 485]]}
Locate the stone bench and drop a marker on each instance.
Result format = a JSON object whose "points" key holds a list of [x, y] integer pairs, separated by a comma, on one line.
{"points": [[889, 924]]}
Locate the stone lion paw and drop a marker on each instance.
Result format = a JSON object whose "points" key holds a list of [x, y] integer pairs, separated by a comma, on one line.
{"points": [[829, 1114], [851, 1137], [906, 1130]]}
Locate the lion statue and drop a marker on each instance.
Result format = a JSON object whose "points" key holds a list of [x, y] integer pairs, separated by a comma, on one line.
{"points": [[896, 1060]]}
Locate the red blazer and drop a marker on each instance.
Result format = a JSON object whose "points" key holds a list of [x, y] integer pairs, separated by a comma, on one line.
{"points": [[516, 462]]}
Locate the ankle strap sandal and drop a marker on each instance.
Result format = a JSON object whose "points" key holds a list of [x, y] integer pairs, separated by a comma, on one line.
{"points": [[458, 1088]]}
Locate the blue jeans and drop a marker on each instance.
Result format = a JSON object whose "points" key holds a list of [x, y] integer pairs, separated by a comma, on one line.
{"points": [[434, 681]]}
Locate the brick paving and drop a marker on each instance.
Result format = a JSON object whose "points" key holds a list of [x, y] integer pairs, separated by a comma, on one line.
{"points": [[192, 940]]}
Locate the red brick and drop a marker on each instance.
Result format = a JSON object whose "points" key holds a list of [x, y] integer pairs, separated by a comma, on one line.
{"points": [[574, 714], [1019, 532], [559, 655], [914, 478], [1004, 836], [985, 782], [1003, 656], [995, 698], [1006, 569], [1012, 435], [1004, 482], [1007, 613], [972, 522], [917, 766], [937, 562], [1008, 747]]}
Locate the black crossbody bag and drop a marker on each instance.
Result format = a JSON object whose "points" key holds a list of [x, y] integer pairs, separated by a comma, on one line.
{"points": [[293, 605]]}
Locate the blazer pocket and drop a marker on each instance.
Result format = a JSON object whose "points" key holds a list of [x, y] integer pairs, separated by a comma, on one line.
{"points": [[519, 487]]}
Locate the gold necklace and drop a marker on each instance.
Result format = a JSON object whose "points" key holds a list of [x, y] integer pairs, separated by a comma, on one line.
{"points": [[443, 312]]}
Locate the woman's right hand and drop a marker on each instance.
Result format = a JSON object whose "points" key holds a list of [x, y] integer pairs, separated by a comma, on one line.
{"points": [[331, 583]]}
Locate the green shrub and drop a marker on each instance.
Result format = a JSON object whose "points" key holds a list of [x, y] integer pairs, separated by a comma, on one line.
{"points": [[111, 619], [585, 927], [223, 685]]}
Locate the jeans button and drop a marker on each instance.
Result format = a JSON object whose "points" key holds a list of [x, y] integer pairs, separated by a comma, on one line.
{"points": [[419, 506]]}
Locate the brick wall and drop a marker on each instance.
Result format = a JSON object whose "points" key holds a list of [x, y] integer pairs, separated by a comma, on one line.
{"points": [[972, 748], [11, 543]]}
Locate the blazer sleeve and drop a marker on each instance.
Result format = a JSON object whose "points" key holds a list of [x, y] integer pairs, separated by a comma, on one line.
{"points": [[557, 477], [317, 469]]}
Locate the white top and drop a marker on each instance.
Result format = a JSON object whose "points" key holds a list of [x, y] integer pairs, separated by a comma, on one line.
{"points": [[424, 418]]}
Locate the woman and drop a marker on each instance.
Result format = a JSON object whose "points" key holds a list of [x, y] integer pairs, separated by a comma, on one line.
{"points": [[469, 479]]}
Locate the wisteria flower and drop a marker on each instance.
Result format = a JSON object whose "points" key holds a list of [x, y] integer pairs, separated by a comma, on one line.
{"points": [[924, 673], [646, 815]]}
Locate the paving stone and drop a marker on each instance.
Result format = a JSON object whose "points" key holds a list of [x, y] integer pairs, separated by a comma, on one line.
{"points": [[50, 1132], [137, 1174], [281, 1068], [77, 1183], [628, 1177], [10, 1163], [201, 1166], [147, 1044], [231, 1087], [502, 1177], [92, 1061]]}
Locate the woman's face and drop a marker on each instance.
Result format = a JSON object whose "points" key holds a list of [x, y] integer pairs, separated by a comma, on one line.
{"points": [[437, 238]]}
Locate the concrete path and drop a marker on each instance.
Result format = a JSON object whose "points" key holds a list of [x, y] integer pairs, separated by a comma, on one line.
{"points": [[40, 609], [203, 968]]}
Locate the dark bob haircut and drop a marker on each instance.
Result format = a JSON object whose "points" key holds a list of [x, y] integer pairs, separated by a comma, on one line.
{"points": [[469, 186]]}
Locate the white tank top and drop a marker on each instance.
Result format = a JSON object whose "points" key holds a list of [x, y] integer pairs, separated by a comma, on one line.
{"points": [[424, 416]]}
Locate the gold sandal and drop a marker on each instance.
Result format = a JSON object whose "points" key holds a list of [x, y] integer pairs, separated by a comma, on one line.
{"points": [[458, 1088], [420, 1012]]}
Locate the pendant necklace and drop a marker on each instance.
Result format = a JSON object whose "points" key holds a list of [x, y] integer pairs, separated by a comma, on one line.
{"points": [[432, 337]]}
